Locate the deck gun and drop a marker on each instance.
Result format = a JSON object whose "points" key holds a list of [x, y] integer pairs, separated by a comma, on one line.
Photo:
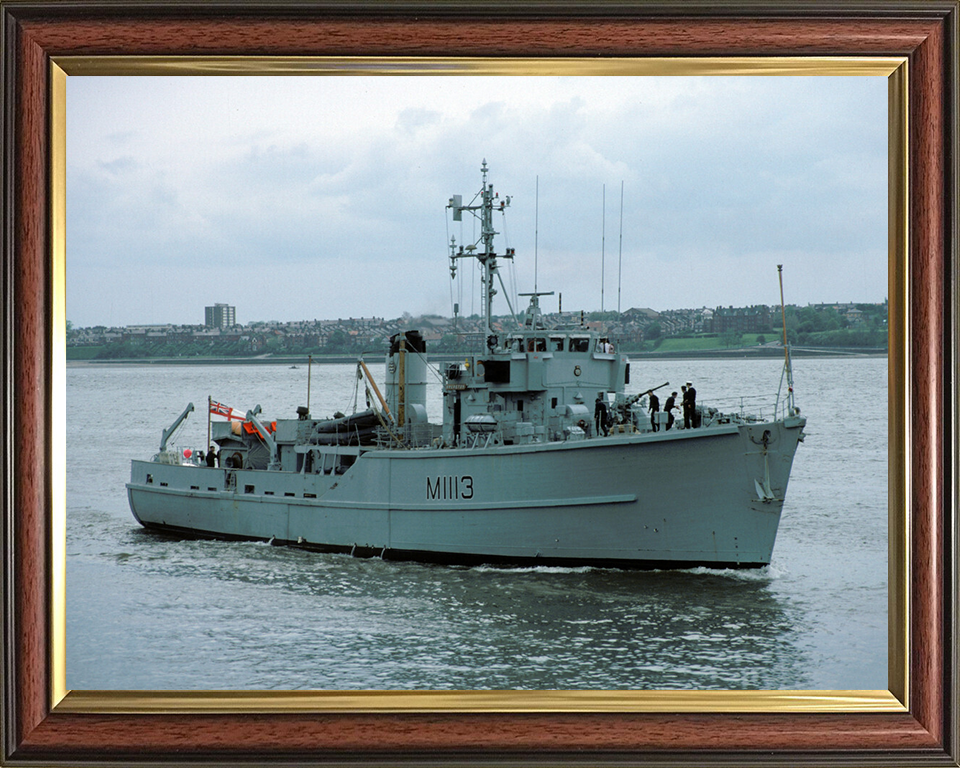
{"points": [[634, 398], [622, 409]]}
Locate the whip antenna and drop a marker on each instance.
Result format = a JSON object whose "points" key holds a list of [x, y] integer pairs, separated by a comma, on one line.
{"points": [[620, 259], [786, 349], [536, 233], [603, 245]]}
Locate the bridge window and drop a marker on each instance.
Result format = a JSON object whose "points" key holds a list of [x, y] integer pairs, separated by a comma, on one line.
{"points": [[580, 344], [496, 371]]}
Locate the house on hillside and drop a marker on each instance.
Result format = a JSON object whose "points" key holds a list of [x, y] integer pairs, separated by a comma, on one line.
{"points": [[754, 319], [635, 314]]}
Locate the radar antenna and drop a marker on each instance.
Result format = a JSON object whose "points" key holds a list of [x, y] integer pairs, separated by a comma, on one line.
{"points": [[483, 205]]}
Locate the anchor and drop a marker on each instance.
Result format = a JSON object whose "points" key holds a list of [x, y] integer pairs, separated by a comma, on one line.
{"points": [[764, 492]]}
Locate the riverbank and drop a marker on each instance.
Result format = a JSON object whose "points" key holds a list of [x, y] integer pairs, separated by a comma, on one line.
{"points": [[741, 353], [760, 352]]}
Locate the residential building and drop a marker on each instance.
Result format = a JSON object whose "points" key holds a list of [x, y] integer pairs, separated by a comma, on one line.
{"points": [[220, 316], [755, 319]]}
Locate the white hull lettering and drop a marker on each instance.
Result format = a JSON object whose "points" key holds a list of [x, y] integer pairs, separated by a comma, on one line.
{"points": [[450, 487]]}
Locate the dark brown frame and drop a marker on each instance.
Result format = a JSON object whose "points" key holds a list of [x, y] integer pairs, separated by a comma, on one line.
{"points": [[924, 32]]}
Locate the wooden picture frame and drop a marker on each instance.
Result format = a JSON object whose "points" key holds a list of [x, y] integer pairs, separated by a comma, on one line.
{"points": [[40, 727]]}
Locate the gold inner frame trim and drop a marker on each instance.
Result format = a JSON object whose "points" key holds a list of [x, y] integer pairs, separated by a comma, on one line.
{"points": [[58, 375], [898, 386], [238, 702], [209, 702], [413, 65]]}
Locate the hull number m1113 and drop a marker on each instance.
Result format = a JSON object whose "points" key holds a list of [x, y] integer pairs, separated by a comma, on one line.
{"points": [[447, 487]]}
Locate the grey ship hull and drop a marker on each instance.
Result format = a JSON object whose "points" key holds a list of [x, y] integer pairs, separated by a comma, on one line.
{"points": [[681, 498]]}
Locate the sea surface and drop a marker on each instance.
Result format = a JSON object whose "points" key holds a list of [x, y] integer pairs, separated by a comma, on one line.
{"points": [[144, 611]]}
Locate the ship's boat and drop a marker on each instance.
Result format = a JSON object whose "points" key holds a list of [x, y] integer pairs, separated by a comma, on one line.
{"points": [[541, 458]]}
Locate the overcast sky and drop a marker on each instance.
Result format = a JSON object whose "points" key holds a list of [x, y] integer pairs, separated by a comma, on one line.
{"points": [[300, 198]]}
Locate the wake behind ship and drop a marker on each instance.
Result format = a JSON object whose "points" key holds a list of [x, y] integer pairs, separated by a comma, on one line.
{"points": [[540, 458]]}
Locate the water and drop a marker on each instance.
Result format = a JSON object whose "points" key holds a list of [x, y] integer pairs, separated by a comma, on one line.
{"points": [[149, 612]]}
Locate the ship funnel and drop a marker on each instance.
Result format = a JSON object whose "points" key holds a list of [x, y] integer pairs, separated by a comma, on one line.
{"points": [[406, 376]]}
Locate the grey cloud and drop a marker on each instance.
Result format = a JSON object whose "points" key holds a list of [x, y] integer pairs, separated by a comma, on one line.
{"points": [[711, 186], [413, 119]]}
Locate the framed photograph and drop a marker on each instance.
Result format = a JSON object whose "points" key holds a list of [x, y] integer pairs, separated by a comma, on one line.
{"points": [[44, 721], [725, 177]]}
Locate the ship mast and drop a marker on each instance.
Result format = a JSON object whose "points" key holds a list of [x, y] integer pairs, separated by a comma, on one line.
{"points": [[788, 368], [487, 256]]}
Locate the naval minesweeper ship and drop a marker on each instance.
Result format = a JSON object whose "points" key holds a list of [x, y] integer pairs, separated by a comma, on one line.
{"points": [[521, 471]]}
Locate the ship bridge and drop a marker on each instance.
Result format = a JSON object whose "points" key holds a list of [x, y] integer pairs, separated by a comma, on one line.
{"points": [[531, 388]]}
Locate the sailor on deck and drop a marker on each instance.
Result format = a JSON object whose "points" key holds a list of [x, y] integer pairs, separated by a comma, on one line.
{"points": [[600, 414], [669, 407], [654, 410], [689, 406]]}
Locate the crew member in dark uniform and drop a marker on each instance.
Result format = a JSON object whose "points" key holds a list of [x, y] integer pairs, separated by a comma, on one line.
{"points": [[600, 414], [212, 457], [654, 410], [669, 406], [690, 407]]}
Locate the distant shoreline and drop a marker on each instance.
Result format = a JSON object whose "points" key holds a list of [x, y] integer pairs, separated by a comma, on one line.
{"points": [[760, 352], [441, 357]]}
